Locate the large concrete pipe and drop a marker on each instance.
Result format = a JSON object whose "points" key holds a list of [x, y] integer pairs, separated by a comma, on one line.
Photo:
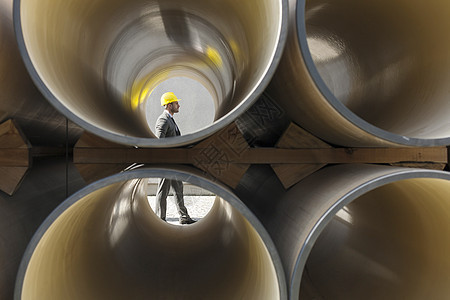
{"points": [[98, 62], [360, 232], [43, 189], [19, 97], [368, 73], [105, 242]]}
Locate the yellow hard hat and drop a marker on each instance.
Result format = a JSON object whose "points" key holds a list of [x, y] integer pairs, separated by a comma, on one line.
{"points": [[168, 97]]}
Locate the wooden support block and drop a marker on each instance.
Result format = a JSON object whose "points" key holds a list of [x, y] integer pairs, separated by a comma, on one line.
{"points": [[15, 157], [11, 137], [297, 138], [216, 154], [10, 178], [290, 174], [96, 158]]}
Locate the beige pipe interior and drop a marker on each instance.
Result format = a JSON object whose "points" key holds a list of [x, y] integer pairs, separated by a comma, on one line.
{"points": [[99, 61], [110, 245], [390, 243]]}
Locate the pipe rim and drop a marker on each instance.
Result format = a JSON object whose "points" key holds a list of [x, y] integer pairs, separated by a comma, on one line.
{"points": [[374, 183], [154, 142], [199, 181], [340, 108]]}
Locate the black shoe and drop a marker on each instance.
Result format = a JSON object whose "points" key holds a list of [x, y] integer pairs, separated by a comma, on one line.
{"points": [[187, 220]]}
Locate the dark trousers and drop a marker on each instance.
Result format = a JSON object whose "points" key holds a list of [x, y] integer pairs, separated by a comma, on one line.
{"points": [[161, 197]]}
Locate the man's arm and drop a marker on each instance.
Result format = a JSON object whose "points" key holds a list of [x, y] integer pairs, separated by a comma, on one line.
{"points": [[162, 125]]}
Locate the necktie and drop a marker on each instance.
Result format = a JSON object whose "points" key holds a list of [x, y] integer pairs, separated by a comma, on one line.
{"points": [[176, 127]]}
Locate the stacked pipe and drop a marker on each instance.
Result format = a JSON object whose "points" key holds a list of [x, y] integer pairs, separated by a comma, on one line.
{"points": [[370, 74], [358, 231], [128, 252], [97, 63]]}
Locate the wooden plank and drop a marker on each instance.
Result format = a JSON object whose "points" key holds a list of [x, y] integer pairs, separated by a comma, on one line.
{"points": [[131, 155], [10, 178], [11, 136], [290, 174], [15, 156], [226, 156], [96, 158], [210, 153], [18, 157], [49, 151], [421, 165], [344, 155]]}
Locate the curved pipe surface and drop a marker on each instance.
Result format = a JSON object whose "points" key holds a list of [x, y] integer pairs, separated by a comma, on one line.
{"points": [[358, 231], [372, 73], [20, 99], [98, 62], [43, 189], [105, 242]]}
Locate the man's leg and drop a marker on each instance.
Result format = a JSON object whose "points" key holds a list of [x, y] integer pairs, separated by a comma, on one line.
{"points": [[179, 199], [179, 202], [161, 197]]}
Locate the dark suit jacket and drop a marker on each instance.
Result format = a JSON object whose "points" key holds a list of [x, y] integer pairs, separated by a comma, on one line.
{"points": [[165, 126]]}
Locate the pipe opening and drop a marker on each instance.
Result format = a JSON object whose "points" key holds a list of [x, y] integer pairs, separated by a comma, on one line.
{"points": [[388, 63], [197, 201], [390, 243], [105, 242], [197, 104], [98, 62]]}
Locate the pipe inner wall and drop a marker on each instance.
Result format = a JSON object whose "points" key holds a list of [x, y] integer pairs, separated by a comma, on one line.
{"points": [[99, 62], [105, 242], [371, 73], [390, 243]]}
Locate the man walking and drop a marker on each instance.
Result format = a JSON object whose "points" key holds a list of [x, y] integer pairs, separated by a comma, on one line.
{"points": [[166, 127]]}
